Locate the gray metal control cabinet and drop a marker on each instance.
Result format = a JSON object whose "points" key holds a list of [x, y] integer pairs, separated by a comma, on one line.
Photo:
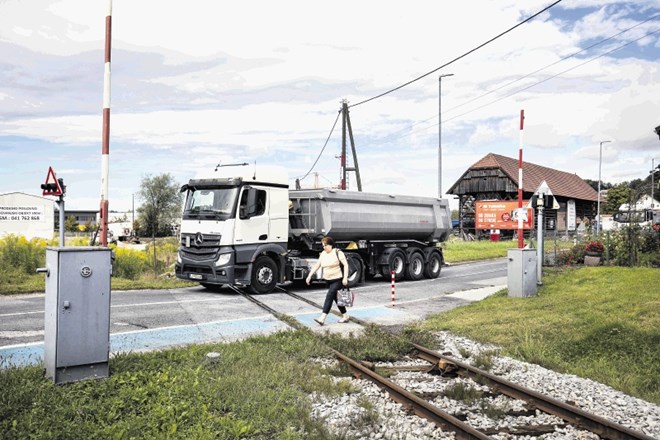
{"points": [[77, 320], [521, 271]]}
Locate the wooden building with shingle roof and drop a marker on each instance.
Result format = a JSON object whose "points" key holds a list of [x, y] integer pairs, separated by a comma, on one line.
{"points": [[495, 177]]}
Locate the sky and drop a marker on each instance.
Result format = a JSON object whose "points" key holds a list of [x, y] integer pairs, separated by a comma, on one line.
{"points": [[203, 82]]}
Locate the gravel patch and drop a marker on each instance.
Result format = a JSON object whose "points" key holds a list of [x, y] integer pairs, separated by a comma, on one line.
{"points": [[371, 414]]}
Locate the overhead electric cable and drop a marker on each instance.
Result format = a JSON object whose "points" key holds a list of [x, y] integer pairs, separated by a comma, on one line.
{"points": [[390, 137], [550, 65], [322, 149], [459, 57], [553, 76]]}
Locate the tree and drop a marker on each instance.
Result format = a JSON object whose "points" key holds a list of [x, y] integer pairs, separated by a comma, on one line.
{"points": [[616, 196], [161, 203], [594, 184], [70, 224]]}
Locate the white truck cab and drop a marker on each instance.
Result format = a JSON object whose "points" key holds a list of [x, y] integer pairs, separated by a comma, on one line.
{"points": [[232, 215]]}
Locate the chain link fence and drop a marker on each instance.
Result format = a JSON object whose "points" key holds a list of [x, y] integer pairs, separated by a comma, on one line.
{"points": [[630, 246]]}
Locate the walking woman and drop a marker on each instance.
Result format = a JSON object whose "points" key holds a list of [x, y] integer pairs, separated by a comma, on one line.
{"points": [[332, 274]]}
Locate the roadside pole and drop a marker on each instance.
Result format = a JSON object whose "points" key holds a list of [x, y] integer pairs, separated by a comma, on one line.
{"points": [[539, 245]]}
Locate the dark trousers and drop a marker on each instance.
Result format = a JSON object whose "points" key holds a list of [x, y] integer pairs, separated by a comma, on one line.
{"points": [[333, 287]]}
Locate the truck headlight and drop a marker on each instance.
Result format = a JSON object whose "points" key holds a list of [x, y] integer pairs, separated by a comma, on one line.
{"points": [[223, 259], [178, 257]]}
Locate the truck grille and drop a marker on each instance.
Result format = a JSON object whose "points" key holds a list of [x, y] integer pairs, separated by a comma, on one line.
{"points": [[200, 247]]}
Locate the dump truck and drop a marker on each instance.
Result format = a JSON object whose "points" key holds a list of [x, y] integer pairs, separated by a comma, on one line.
{"points": [[242, 225]]}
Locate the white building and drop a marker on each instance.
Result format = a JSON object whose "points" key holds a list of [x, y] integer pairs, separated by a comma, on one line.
{"points": [[26, 214], [644, 202]]}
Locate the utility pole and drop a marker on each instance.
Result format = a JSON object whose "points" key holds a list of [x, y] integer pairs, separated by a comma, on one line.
{"points": [[346, 127], [440, 132], [652, 176], [600, 161]]}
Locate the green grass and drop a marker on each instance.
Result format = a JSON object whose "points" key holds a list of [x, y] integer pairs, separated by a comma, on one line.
{"points": [[599, 322], [256, 389], [37, 283], [457, 251]]}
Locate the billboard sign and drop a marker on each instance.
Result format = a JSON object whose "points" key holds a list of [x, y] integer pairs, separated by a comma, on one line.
{"points": [[501, 214], [571, 218]]}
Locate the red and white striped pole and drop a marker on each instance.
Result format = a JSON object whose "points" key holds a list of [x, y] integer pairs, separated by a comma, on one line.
{"points": [[521, 242], [105, 146], [392, 288]]}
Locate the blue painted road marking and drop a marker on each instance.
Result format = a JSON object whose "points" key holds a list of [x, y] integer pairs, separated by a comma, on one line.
{"points": [[153, 339]]}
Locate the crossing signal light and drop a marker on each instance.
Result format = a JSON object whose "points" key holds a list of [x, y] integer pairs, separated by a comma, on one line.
{"points": [[53, 186], [49, 188]]}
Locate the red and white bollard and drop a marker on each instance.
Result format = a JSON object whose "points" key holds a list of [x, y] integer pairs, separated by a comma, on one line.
{"points": [[392, 288]]}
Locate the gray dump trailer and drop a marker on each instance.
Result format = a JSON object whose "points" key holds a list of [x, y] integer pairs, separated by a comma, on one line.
{"points": [[381, 233], [352, 216], [243, 226]]}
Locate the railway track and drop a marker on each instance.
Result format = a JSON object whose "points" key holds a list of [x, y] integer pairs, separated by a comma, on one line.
{"points": [[572, 415]]}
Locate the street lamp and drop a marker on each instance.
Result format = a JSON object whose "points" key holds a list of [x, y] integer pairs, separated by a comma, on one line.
{"points": [[600, 161], [440, 132]]}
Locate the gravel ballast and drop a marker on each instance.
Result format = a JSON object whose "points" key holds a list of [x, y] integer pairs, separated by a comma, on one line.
{"points": [[371, 414]]}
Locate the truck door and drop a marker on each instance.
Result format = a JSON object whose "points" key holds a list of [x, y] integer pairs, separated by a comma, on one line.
{"points": [[252, 220]]}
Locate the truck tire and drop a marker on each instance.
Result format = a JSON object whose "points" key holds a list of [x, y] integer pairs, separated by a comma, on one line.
{"points": [[356, 277], [433, 266], [396, 263], [415, 267], [264, 275]]}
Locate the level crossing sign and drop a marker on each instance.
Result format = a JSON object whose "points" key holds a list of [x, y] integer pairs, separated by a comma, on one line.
{"points": [[52, 186], [543, 197]]}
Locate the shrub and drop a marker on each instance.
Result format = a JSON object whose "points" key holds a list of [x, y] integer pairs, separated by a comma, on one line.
{"points": [[129, 263], [572, 256], [594, 246], [636, 246], [166, 251], [22, 255]]}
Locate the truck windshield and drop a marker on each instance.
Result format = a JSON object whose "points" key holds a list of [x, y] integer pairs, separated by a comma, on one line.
{"points": [[207, 203]]}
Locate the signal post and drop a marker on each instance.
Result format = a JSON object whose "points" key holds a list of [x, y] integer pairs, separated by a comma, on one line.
{"points": [[55, 187]]}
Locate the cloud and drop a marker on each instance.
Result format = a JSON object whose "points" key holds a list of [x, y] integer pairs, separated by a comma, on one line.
{"points": [[263, 81]]}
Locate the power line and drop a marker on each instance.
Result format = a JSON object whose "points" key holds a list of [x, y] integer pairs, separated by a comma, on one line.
{"points": [[390, 137], [556, 75], [322, 149], [551, 64], [459, 57]]}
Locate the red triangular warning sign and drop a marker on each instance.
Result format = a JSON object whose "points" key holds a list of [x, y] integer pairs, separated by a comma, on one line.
{"points": [[52, 186]]}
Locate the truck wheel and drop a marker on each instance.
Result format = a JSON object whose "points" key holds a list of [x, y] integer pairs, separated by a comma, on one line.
{"points": [[415, 268], [264, 275], [433, 266], [396, 263], [354, 279]]}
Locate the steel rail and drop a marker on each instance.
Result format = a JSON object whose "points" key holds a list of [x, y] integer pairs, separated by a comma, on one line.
{"points": [[419, 406], [281, 316], [576, 416], [309, 301]]}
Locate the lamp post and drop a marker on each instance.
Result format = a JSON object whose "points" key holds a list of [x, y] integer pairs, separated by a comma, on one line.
{"points": [[652, 176], [600, 161], [440, 132]]}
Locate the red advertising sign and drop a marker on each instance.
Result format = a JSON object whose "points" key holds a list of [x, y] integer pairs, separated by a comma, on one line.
{"points": [[501, 214]]}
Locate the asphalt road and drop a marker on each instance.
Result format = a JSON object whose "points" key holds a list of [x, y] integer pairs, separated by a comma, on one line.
{"points": [[151, 319]]}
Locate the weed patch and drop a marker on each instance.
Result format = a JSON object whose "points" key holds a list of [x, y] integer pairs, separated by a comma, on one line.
{"points": [[581, 318]]}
